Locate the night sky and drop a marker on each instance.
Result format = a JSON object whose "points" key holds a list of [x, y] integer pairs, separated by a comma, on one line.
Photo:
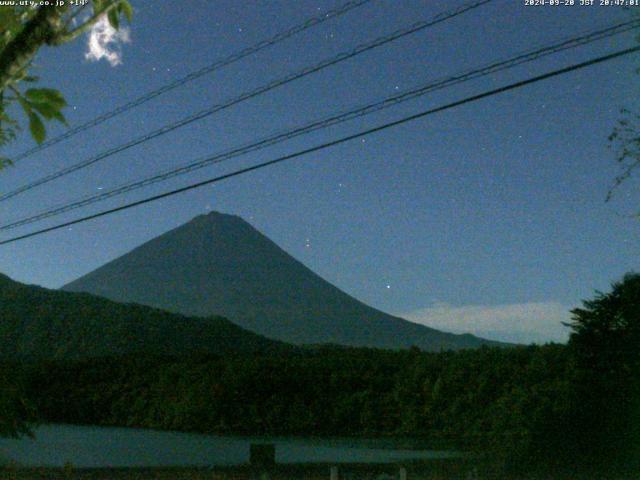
{"points": [[490, 217]]}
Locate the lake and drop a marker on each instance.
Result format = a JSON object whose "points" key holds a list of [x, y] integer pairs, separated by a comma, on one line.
{"points": [[87, 447]]}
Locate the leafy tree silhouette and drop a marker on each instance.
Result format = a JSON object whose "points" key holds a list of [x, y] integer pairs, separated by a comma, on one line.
{"points": [[23, 31], [606, 346]]}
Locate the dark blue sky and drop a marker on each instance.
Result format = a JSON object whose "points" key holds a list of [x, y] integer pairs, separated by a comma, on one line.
{"points": [[492, 206]]}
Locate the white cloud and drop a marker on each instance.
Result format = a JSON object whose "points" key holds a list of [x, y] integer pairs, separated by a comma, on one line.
{"points": [[520, 323], [104, 41]]}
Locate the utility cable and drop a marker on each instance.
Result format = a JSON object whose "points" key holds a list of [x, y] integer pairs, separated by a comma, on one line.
{"points": [[491, 68], [234, 57], [416, 27], [332, 143]]}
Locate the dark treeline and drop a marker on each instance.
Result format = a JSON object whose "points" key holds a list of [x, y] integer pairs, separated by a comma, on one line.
{"points": [[553, 407], [325, 392], [504, 402], [39, 323]]}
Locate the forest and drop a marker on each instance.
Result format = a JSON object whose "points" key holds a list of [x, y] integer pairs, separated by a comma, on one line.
{"points": [[39, 323], [570, 407]]}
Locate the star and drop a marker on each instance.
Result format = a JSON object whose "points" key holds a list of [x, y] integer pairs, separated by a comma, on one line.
{"points": [[388, 286]]}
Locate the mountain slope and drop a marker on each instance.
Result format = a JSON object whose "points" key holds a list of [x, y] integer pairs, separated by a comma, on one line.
{"points": [[219, 264], [36, 322]]}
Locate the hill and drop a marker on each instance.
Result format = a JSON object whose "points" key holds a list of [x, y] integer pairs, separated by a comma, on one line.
{"points": [[39, 323], [219, 264]]}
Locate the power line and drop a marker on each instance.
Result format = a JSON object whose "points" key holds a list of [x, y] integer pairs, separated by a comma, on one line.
{"points": [[332, 143], [521, 58], [416, 27], [234, 57]]}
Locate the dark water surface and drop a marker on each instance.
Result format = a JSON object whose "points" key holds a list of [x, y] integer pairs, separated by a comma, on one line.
{"points": [[86, 446]]}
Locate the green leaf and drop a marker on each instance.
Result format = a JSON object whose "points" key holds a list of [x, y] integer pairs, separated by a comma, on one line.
{"points": [[97, 5], [49, 112], [113, 18], [26, 106], [60, 117], [46, 95], [126, 9], [36, 126], [9, 20], [7, 15], [5, 162]]}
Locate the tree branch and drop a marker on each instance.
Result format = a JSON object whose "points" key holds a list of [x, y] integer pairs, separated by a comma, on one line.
{"points": [[38, 31], [67, 36]]}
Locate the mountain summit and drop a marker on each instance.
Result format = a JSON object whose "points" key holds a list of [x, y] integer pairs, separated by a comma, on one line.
{"points": [[218, 264]]}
